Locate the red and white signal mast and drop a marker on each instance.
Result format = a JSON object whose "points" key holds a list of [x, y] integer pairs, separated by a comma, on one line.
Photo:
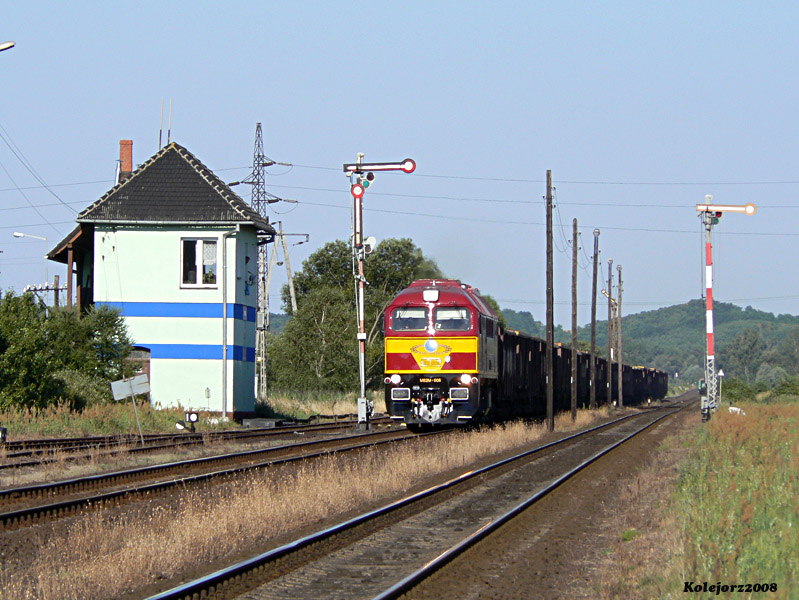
{"points": [[361, 176], [710, 215]]}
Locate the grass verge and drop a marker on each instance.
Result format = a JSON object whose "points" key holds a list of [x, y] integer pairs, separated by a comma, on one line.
{"points": [[719, 504]]}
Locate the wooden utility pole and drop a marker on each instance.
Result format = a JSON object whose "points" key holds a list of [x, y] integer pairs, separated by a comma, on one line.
{"points": [[593, 322], [550, 313], [618, 333], [56, 297], [610, 332], [574, 359]]}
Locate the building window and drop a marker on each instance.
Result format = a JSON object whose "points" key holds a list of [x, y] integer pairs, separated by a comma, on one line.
{"points": [[198, 262]]}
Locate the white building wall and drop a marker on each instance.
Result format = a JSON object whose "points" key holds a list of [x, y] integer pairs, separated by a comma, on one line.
{"points": [[139, 270]]}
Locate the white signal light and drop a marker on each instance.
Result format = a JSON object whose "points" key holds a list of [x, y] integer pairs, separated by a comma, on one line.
{"points": [[408, 165], [357, 190], [395, 379], [466, 378]]}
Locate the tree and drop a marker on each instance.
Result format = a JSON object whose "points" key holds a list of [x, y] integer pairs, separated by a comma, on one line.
{"points": [[743, 355], [318, 349], [41, 354]]}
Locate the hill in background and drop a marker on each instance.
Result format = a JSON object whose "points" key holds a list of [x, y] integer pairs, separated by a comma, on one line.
{"points": [[673, 338]]}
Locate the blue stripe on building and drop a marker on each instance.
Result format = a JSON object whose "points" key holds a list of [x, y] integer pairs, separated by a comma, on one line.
{"points": [[199, 351], [203, 310]]}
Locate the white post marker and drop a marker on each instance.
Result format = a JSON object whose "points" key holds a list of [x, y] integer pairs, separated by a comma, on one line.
{"points": [[364, 175], [710, 215]]}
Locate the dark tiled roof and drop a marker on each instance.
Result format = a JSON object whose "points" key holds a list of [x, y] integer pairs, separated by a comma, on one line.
{"points": [[172, 187]]}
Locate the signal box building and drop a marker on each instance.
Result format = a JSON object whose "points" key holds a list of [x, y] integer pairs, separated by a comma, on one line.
{"points": [[175, 250]]}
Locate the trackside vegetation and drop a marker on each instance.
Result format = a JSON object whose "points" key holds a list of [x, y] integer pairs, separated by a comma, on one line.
{"points": [[51, 356], [738, 498]]}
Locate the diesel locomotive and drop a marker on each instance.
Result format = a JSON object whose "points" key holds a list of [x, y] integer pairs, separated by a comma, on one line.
{"points": [[448, 361]]}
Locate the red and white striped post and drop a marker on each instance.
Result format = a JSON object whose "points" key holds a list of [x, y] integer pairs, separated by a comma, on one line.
{"points": [[363, 176], [710, 214]]}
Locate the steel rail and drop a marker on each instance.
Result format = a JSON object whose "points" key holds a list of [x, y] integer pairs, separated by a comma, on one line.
{"points": [[412, 580], [30, 515], [186, 439], [222, 583], [94, 441]]}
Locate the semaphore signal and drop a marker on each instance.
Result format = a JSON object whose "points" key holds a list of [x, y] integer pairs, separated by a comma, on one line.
{"points": [[710, 215]]}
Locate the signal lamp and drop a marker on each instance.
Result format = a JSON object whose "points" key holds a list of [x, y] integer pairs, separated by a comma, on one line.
{"points": [[395, 379], [466, 378], [474, 380]]}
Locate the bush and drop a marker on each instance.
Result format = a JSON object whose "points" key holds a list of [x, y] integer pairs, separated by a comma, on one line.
{"points": [[788, 387], [736, 390], [80, 390]]}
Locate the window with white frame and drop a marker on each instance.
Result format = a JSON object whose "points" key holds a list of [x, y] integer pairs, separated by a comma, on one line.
{"points": [[198, 262]]}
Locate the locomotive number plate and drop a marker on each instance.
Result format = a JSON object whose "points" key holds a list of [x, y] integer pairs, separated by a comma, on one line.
{"points": [[430, 380]]}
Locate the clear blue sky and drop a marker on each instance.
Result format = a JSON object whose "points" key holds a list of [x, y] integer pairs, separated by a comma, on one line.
{"points": [[639, 109]]}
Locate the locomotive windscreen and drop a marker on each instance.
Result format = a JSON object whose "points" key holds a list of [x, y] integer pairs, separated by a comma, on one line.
{"points": [[409, 318], [452, 318]]}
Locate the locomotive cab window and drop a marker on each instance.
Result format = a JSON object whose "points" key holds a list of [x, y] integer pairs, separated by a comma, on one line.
{"points": [[409, 318], [452, 318]]}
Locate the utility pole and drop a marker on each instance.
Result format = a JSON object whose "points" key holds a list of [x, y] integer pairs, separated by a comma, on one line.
{"points": [[593, 322], [56, 297], [574, 320], [609, 294], [550, 313], [292, 295], [259, 201], [280, 238], [618, 333], [710, 215], [363, 175]]}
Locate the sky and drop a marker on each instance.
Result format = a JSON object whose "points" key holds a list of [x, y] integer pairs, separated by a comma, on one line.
{"points": [[639, 110]]}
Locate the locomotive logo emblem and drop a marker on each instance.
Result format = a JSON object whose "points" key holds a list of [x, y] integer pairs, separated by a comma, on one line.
{"points": [[431, 355]]}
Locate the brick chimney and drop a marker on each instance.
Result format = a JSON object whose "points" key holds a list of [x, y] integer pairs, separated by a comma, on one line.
{"points": [[125, 159]]}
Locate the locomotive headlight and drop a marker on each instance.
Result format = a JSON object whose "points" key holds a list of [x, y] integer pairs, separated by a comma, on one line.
{"points": [[395, 379], [465, 379]]}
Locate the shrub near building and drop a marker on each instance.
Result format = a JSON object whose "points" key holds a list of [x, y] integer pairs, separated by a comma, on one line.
{"points": [[54, 355]]}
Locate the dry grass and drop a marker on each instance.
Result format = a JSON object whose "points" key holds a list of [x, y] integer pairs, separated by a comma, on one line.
{"points": [[303, 405], [152, 542]]}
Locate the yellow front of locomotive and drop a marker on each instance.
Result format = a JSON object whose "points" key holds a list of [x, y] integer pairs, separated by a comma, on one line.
{"points": [[432, 355]]}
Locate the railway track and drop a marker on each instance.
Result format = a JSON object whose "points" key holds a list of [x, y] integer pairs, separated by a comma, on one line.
{"points": [[386, 552], [25, 506], [33, 453]]}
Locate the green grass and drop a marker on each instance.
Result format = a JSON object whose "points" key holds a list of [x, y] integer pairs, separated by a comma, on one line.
{"points": [[97, 419], [738, 499], [628, 535]]}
